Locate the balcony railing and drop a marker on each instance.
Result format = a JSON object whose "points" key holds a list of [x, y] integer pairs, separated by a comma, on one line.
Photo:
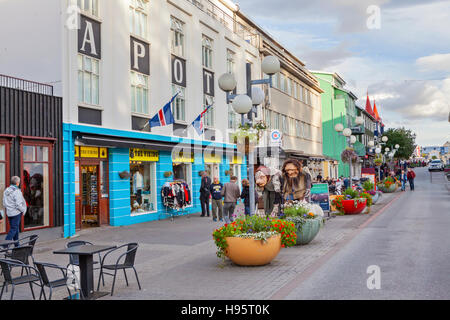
{"points": [[26, 85], [226, 20]]}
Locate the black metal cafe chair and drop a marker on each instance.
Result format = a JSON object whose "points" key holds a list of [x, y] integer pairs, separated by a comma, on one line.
{"points": [[51, 284], [73, 258], [31, 277], [128, 259]]}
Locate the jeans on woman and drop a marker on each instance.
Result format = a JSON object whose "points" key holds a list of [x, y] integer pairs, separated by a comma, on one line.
{"points": [[411, 184], [403, 185], [14, 227]]}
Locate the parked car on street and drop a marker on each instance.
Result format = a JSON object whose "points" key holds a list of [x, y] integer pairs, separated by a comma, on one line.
{"points": [[436, 165]]}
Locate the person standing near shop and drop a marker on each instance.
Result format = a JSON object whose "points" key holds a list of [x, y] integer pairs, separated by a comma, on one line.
{"points": [[15, 206], [231, 195], [205, 194], [245, 196], [411, 175], [216, 196]]}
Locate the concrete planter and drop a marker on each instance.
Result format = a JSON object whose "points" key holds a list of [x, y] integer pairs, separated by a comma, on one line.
{"points": [[251, 252], [308, 231], [391, 189]]}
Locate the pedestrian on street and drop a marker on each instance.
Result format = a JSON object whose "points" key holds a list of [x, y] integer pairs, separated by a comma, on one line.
{"points": [[403, 179], [411, 175], [319, 177], [216, 196], [245, 196], [231, 195], [205, 194], [15, 206]]}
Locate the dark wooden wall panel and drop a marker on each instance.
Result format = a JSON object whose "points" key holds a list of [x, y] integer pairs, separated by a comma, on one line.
{"points": [[24, 113]]}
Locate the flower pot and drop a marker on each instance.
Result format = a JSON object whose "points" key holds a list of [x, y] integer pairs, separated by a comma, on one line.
{"points": [[308, 231], [375, 197], [251, 252], [391, 189], [350, 208]]}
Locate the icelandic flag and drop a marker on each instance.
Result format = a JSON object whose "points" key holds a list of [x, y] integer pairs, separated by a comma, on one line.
{"points": [[165, 116], [198, 122]]}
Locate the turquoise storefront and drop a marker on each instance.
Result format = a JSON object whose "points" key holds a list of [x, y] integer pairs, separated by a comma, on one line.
{"points": [[103, 169]]}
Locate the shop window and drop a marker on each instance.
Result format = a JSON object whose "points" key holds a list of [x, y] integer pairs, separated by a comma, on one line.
{"points": [[36, 186], [183, 172], [3, 183], [143, 187]]}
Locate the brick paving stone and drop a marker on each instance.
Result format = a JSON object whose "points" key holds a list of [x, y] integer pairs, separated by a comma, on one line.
{"points": [[177, 260]]}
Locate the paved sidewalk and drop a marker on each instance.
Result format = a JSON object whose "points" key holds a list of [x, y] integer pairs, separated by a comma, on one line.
{"points": [[177, 260]]}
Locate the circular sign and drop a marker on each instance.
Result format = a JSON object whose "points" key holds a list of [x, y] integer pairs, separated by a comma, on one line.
{"points": [[276, 135]]}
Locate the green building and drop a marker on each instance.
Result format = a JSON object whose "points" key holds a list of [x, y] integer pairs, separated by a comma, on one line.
{"points": [[338, 106]]}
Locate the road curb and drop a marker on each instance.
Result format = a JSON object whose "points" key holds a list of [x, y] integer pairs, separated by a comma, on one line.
{"points": [[285, 290]]}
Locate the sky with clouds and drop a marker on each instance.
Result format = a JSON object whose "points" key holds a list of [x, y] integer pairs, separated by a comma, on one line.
{"points": [[402, 59]]}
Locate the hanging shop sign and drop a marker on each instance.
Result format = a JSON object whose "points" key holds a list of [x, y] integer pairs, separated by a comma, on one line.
{"points": [[144, 155], [140, 56], [91, 152], [89, 37], [178, 71], [182, 157], [77, 178], [236, 160]]}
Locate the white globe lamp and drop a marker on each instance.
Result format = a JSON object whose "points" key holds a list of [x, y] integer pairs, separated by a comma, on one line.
{"points": [[257, 96], [227, 82], [352, 139], [270, 65], [347, 132], [371, 144], [378, 150], [242, 104], [339, 127], [385, 139], [387, 149], [397, 146], [359, 120]]}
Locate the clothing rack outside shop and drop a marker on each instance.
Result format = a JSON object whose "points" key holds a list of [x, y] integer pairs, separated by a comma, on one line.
{"points": [[172, 201]]}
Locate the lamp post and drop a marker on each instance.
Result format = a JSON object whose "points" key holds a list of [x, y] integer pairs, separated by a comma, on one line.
{"points": [[347, 133], [245, 103]]}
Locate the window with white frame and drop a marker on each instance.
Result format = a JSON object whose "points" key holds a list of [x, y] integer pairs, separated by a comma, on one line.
{"points": [[307, 131], [179, 103], [292, 127], [289, 86], [139, 18], [139, 93], [209, 115], [298, 128], [268, 118], [177, 36], [282, 82], [308, 97], [232, 118], [295, 90], [207, 52], [230, 61], [284, 124], [300, 93], [276, 121], [88, 80], [88, 6]]}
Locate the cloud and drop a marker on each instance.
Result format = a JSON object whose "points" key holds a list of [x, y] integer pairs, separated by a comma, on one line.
{"points": [[416, 99], [435, 62]]}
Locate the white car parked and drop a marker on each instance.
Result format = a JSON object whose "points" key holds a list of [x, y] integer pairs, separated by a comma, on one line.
{"points": [[436, 165]]}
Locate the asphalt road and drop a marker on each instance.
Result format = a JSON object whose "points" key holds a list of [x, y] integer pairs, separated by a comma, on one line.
{"points": [[408, 246]]}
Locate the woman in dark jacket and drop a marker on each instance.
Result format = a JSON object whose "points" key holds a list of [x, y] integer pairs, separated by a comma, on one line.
{"points": [[245, 196]]}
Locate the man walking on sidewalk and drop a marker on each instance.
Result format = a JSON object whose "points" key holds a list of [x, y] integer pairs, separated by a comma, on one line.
{"points": [[403, 180], [231, 195], [411, 175], [15, 206], [216, 195], [205, 194]]}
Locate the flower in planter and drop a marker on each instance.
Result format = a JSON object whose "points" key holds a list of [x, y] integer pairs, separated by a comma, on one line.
{"points": [[256, 227]]}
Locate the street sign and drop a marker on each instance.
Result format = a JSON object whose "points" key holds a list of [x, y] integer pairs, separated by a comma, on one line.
{"points": [[276, 138]]}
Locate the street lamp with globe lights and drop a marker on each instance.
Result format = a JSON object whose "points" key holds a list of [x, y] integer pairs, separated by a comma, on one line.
{"points": [[244, 103], [347, 132]]}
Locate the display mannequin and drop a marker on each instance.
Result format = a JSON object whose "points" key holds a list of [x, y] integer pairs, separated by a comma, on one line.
{"points": [[138, 186]]}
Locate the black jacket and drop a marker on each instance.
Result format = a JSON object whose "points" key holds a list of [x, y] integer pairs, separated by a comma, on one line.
{"points": [[245, 195], [205, 187]]}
